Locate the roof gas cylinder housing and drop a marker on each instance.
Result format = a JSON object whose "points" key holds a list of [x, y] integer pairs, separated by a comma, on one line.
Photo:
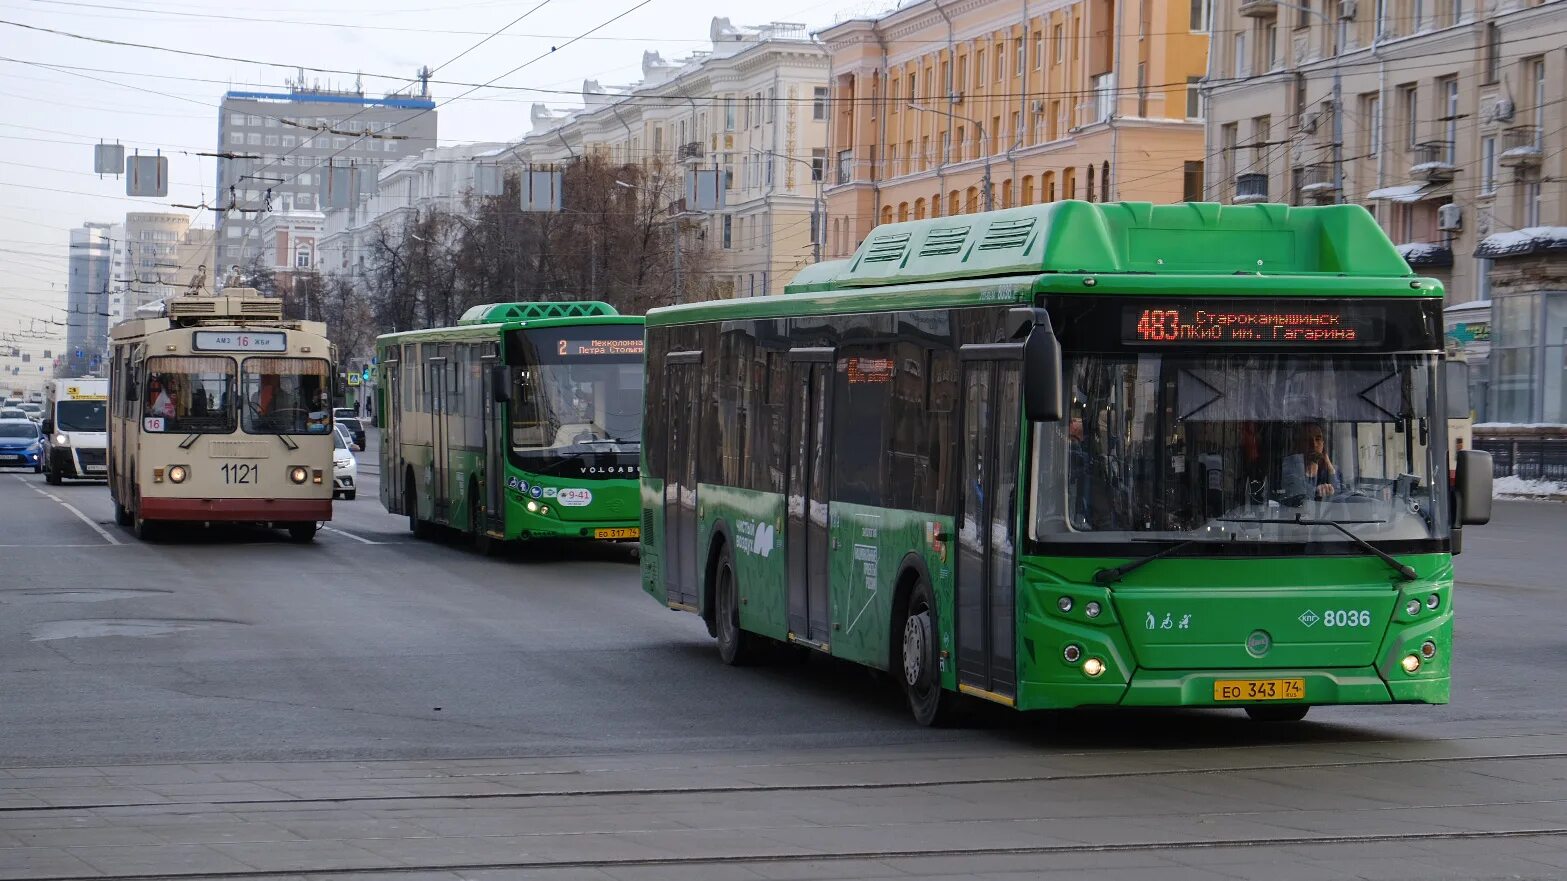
{"points": [[498, 313]]}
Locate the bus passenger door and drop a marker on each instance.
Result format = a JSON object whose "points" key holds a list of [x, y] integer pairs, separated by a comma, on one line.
{"points": [[439, 367], [806, 530], [985, 614], [682, 391], [391, 417], [495, 439]]}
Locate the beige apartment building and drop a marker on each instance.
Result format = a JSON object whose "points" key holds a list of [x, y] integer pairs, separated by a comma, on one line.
{"points": [[752, 107], [1060, 99], [1451, 135]]}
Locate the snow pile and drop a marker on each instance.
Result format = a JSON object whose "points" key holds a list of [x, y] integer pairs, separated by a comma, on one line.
{"points": [[1523, 241], [1518, 487]]}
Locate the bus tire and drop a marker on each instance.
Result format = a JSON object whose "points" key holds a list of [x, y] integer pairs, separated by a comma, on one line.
{"points": [[919, 666], [1278, 712], [302, 533], [483, 542], [146, 530], [419, 528], [736, 647], [122, 515]]}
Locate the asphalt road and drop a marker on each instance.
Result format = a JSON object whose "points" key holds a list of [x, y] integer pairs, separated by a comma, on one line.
{"points": [[371, 703]]}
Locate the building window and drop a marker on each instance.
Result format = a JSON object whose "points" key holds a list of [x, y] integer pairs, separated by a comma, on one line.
{"points": [[1242, 64], [819, 103], [1001, 67], [845, 166], [1373, 123], [1191, 181], [1493, 53], [729, 228], [1199, 16], [981, 72], [1449, 88], [729, 112], [772, 103], [1194, 97], [1104, 96], [1142, 90], [1531, 203], [1418, 18], [1303, 14], [1039, 50], [1018, 50], [1537, 67], [1409, 97], [1488, 165], [1270, 45]]}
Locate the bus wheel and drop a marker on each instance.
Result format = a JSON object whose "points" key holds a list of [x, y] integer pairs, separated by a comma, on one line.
{"points": [[920, 656], [302, 532], [146, 530], [736, 647], [122, 515], [1278, 712]]}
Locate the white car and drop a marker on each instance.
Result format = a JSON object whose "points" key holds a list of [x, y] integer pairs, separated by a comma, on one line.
{"points": [[345, 469], [14, 413], [33, 410]]}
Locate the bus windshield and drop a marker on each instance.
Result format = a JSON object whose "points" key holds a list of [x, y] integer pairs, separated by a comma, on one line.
{"points": [[79, 415], [189, 394], [576, 400], [1244, 448], [286, 395]]}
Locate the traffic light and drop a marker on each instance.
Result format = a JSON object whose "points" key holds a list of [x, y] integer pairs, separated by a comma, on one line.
{"points": [[366, 375]]}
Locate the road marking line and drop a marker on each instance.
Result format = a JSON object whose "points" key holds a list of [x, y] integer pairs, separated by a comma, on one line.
{"points": [[351, 535], [104, 533]]}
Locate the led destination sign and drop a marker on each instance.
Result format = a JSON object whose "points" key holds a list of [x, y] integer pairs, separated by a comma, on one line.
{"points": [[1225, 324], [598, 348]]}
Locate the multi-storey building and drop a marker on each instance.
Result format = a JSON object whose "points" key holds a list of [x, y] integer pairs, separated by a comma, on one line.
{"points": [[752, 107], [1062, 99], [87, 298], [158, 256], [279, 150], [440, 178], [1450, 132]]}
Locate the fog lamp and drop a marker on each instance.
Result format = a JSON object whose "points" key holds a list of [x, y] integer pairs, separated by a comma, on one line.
{"points": [[1093, 667], [178, 473], [533, 507], [299, 474]]}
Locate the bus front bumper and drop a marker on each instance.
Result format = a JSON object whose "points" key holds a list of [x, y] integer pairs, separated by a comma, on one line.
{"points": [[1196, 688], [237, 510]]}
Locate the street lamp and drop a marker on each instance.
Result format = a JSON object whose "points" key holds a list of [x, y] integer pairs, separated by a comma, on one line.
{"points": [[817, 223], [1338, 98], [989, 200]]}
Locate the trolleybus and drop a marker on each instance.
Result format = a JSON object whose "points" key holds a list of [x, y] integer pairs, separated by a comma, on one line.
{"points": [[220, 412], [1071, 455], [522, 422]]}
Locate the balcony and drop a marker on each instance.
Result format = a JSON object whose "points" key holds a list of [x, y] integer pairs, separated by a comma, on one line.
{"points": [[1251, 188], [1318, 183], [1259, 8], [1521, 148], [1433, 162], [692, 150]]}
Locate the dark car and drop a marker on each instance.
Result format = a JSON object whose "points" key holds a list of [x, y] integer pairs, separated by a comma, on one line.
{"points": [[356, 430]]}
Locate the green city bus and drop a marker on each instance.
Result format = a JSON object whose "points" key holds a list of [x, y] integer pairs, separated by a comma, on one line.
{"points": [[522, 422], [1073, 455]]}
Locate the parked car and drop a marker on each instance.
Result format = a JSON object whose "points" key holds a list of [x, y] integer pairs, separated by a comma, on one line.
{"points": [[21, 445], [355, 429], [345, 469], [344, 413]]}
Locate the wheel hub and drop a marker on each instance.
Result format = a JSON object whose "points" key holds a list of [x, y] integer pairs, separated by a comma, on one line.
{"points": [[916, 638]]}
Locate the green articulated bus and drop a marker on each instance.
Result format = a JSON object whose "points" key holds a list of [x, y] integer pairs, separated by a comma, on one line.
{"points": [[522, 422], [1073, 455]]}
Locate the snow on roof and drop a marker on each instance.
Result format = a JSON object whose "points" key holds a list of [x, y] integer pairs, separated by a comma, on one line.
{"points": [[1530, 240], [1425, 254], [1399, 193]]}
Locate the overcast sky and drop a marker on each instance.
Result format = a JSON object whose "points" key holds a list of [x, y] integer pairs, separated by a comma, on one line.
{"points": [[149, 99]]}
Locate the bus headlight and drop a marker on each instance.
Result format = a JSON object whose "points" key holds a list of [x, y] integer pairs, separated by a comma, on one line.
{"points": [[299, 474], [1411, 663], [1093, 667], [1433, 601], [1412, 607], [1091, 610], [178, 473], [62, 440]]}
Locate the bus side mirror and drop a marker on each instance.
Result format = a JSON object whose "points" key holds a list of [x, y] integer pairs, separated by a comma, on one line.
{"points": [[500, 383], [1042, 375], [1472, 485], [1455, 375]]}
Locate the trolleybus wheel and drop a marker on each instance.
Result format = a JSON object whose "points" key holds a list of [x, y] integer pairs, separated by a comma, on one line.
{"points": [[1278, 712], [736, 647], [122, 515], [920, 660], [302, 532], [146, 530]]}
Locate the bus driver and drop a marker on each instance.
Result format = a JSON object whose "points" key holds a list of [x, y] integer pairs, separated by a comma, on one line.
{"points": [[1310, 472]]}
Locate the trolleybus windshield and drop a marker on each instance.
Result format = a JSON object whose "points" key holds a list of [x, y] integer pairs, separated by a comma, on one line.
{"points": [[190, 394], [1239, 447], [576, 399], [79, 415], [286, 395]]}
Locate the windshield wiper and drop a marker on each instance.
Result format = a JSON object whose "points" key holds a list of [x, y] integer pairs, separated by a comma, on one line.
{"points": [[1405, 572], [1113, 574]]}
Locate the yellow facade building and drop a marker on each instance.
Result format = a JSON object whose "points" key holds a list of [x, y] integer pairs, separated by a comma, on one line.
{"points": [[1062, 99]]}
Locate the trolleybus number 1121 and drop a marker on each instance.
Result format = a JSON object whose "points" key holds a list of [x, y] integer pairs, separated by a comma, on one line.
{"points": [[242, 472]]}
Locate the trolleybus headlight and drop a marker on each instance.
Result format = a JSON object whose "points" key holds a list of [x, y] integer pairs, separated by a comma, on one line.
{"points": [[1428, 649], [1093, 667], [1411, 663], [178, 473], [299, 474], [1412, 607], [1091, 610], [1433, 601], [62, 440], [1064, 604], [1071, 653]]}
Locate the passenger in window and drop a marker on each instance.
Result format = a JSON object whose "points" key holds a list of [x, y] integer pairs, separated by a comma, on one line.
{"points": [[161, 398], [1310, 472]]}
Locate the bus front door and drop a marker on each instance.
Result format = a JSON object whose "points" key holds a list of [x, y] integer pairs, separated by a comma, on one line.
{"points": [[682, 390], [439, 491], [985, 616], [495, 439], [806, 535], [391, 416]]}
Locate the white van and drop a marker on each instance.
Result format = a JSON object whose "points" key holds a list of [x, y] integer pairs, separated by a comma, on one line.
{"points": [[75, 432]]}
